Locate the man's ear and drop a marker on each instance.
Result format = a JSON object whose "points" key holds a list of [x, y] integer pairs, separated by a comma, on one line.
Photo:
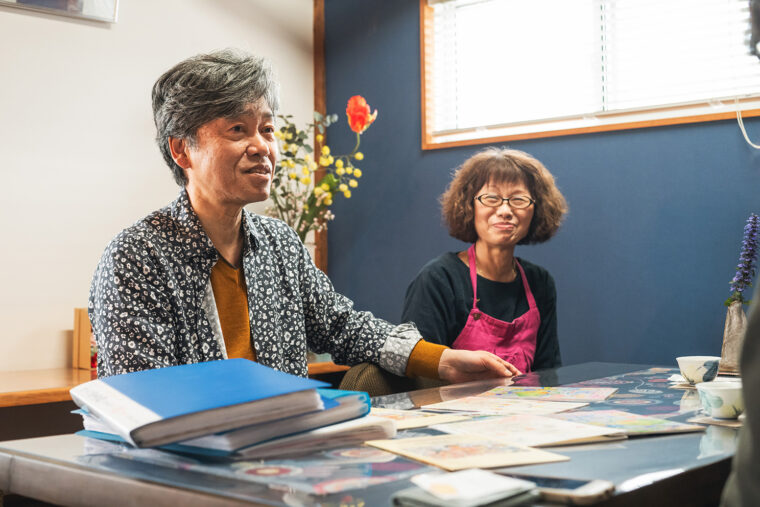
{"points": [[178, 147]]}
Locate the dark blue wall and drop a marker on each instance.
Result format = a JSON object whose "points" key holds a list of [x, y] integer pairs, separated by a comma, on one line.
{"points": [[643, 261]]}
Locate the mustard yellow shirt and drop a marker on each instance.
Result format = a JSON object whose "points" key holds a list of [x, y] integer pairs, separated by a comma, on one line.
{"points": [[231, 297]]}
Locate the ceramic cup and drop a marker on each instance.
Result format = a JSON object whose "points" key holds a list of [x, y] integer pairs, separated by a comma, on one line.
{"points": [[721, 399], [696, 369]]}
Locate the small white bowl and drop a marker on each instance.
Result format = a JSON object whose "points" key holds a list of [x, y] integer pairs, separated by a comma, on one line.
{"points": [[721, 399], [696, 369]]}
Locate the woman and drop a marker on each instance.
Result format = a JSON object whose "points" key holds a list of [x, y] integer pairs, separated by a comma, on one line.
{"points": [[484, 298]]}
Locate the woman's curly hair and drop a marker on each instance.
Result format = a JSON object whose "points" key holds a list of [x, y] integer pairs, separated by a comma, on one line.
{"points": [[496, 166]]}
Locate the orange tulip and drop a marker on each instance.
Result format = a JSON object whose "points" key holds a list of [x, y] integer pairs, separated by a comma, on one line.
{"points": [[358, 111]]}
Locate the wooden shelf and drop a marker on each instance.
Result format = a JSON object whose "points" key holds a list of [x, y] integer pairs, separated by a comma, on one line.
{"points": [[328, 367], [32, 387]]}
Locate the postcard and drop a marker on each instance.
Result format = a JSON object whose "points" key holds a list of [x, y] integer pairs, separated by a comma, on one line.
{"points": [[589, 394], [407, 419], [457, 452], [631, 424], [504, 406], [534, 430]]}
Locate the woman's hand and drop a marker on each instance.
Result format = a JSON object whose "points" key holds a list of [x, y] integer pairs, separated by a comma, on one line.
{"points": [[465, 365]]}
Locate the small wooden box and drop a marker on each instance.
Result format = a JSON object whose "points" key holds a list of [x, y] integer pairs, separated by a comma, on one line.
{"points": [[82, 351]]}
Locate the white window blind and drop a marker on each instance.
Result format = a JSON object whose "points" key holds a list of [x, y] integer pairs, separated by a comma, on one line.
{"points": [[557, 64]]}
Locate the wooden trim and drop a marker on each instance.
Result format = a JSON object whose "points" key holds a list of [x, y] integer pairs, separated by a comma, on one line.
{"points": [[428, 139], [681, 120], [320, 105], [328, 367], [426, 49], [33, 387]]}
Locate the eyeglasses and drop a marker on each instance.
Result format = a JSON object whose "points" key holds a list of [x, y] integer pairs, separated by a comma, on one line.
{"points": [[515, 202]]}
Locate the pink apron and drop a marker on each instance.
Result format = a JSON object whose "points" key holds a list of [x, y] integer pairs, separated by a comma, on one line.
{"points": [[514, 341]]}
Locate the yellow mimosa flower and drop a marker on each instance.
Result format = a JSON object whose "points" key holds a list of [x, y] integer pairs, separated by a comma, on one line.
{"points": [[305, 180], [318, 191], [320, 137], [342, 187], [349, 169], [339, 164], [278, 134], [340, 171], [289, 136], [313, 166], [324, 161], [325, 187], [347, 194], [304, 170], [359, 155], [325, 150], [292, 176], [353, 183], [357, 173], [327, 201], [307, 158], [330, 159]]}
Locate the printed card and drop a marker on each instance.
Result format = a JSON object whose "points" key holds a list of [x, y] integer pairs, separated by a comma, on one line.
{"points": [[407, 419], [534, 430], [631, 424], [582, 394], [470, 485], [504, 406], [457, 452]]}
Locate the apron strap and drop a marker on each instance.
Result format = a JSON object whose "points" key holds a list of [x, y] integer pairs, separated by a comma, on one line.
{"points": [[473, 275], [526, 287], [474, 280]]}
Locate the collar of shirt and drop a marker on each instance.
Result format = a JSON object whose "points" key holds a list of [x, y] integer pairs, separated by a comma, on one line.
{"points": [[190, 231]]}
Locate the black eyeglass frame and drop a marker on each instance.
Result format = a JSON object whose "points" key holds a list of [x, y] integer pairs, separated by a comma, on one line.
{"points": [[531, 202]]}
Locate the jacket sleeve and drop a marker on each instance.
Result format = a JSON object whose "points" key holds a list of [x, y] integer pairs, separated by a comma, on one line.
{"points": [[350, 336], [130, 310]]}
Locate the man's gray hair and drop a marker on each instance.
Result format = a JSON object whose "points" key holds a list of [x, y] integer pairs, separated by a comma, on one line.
{"points": [[206, 87]]}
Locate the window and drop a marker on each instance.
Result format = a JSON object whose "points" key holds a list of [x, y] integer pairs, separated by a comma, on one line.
{"points": [[495, 70]]}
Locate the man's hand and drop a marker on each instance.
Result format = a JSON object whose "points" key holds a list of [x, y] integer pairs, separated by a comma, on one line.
{"points": [[465, 365]]}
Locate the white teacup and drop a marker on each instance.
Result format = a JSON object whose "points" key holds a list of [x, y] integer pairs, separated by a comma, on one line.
{"points": [[721, 399], [696, 369]]}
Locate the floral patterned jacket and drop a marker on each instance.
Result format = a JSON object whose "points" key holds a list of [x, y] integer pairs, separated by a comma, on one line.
{"points": [[151, 303]]}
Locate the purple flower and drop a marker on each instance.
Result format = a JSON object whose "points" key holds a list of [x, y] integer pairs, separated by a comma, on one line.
{"points": [[745, 270]]}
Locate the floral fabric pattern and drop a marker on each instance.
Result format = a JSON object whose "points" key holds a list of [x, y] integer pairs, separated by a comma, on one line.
{"points": [[151, 303]]}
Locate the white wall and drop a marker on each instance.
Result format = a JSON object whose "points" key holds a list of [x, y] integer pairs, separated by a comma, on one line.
{"points": [[77, 155]]}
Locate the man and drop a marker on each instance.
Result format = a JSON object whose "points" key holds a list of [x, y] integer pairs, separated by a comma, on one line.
{"points": [[204, 279]]}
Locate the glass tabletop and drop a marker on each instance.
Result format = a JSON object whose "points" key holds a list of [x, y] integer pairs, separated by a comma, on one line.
{"points": [[369, 475]]}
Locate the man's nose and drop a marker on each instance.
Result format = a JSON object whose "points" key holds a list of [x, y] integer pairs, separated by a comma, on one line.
{"points": [[258, 146]]}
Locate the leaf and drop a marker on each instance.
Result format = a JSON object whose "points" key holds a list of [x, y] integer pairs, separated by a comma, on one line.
{"points": [[318, 116], [307, 148]]}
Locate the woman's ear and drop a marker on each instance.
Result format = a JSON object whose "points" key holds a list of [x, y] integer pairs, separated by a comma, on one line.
{"points": [[178, 147]]}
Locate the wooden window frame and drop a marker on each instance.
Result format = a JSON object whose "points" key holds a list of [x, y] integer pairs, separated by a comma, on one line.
{"points": [[476, 136], [320, 105]]}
